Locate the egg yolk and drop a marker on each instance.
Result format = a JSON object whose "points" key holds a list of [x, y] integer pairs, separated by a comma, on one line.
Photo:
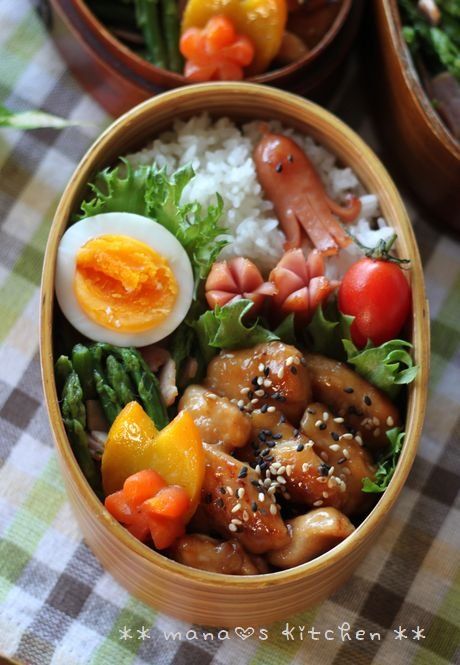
{"points": [[123, 284]]}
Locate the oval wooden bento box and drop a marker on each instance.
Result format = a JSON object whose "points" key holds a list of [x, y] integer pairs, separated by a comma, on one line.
{"points": [[428, 154], [183, 592], [119, 78]]}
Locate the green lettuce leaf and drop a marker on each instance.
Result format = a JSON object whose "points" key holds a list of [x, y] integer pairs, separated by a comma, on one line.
{"points": [[387, 463], [286, 330], [149, 191], [33, 120], [224, 328], [327, 329], [388, 366]]}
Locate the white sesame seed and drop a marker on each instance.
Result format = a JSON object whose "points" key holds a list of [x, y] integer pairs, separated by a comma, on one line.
{"points": [[240, 403], [244, 391], [232, 527], [256, 411], [325, 416], [325, 494], [288, 470], [236, 508], [310, 444], [376, 421], [259, 392], [319, 502], [331, 471], [236, 521], [346, 453], [229, 490], [261, 496], [318, 423], [267, 383], [276, 465], [272, 489], [281, 373], [377, 432], [254, 400], [347, 436], [339, 420], [273, 509], [289, 361], [334, 446], [245, 516], [211, 396], [261, 367], [305, 467], [281, 480], [322, 479], [390, 422], [257, 469], [271, 409], [260, 380], [296, 360], [267, 482], [281, 470], [240, 493], [358, 440]]}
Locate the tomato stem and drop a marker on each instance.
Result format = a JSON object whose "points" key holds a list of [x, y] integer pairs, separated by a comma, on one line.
{"points": [[381, 251]]}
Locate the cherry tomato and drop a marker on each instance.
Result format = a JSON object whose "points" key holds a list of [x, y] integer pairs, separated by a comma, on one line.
{"points": [[378, 295]]}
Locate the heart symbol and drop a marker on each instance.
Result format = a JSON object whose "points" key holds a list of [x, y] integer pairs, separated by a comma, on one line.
{"points": [[244, 633]]}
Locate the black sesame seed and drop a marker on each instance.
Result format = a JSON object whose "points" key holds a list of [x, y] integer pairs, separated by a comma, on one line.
{"points": [[323, 469], [348, 390], [293, 369], [275, 396], [269, 459], [300, 447], [262, 436], [244, 472], [282, 418], [322, 426], [264, 408], [255, 483], [335, 436], [253, 506], [271, 444], [222, 490], [296, 432], [220, 503], [277, 436], [282, 398], [341, 460], [264, 466], [250, 394], [367, 400], [254, 381], [266, 371], [279, 167], [208, 498], [265, 452]]}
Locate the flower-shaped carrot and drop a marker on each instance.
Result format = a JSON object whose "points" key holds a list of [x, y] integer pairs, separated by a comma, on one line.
{"points": [[235, 279], [215, 53], [148, 507], [301, 284]]}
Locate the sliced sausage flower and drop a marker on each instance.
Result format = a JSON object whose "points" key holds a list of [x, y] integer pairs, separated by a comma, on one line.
{"points": [[235, 279], [300, 284]]}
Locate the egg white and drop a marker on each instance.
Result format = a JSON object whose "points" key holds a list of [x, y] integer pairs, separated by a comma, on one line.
{"points": [[140, 228]]}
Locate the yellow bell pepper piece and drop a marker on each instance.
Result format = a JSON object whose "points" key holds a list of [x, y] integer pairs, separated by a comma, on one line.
{"points": [[134, 444], [263, 21]]}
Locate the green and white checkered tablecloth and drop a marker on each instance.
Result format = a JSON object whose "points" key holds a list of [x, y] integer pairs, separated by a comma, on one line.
{"points": [[57, 605]]}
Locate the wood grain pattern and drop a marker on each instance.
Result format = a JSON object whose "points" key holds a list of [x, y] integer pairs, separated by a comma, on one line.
{"points": [[118, 78], [429, 154], [183, 592]]}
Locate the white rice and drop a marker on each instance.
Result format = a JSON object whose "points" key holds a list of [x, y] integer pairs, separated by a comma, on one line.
{"points": [[221, 155]]}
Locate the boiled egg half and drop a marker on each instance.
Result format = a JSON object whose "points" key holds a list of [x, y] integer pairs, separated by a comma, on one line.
{"points": [[123, 279]]}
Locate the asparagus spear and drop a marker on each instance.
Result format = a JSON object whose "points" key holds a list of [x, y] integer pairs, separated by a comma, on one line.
{"points": [[83, 365], [107, 397], [148, 20], [170, 23], [119, 380], [74, 417], [62, 369]]}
